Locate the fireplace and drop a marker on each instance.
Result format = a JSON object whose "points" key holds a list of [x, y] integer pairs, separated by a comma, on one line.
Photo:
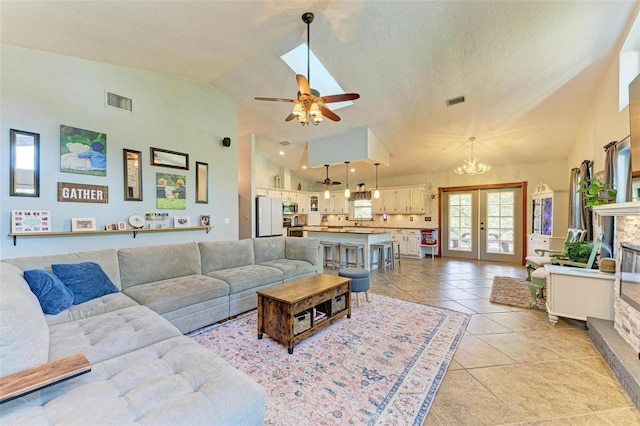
{"points": [[630, 274]]}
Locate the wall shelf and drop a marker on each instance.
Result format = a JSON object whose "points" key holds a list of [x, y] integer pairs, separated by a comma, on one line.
{"points": [[123, 231]]}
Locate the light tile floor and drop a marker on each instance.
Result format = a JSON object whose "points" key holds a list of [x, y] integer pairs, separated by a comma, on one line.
{"points": [[512, 366]]}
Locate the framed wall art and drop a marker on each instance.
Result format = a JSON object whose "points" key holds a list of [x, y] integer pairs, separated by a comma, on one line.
{"points": [[166, 158], [171, 191], [29, 221], [83, 224], [181, 221], [83, 151]]}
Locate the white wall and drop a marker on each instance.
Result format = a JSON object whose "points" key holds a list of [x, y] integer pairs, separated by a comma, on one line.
{"points": [[41, 91]]}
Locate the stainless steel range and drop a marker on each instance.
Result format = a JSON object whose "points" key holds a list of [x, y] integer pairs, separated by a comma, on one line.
{"points": [[295, 231]]}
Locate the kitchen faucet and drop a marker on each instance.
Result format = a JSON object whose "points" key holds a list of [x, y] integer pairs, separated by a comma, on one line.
{"points": [[359, 216]]}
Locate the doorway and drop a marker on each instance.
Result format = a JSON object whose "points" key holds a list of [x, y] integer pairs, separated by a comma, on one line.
{"points": [[484, 223]]}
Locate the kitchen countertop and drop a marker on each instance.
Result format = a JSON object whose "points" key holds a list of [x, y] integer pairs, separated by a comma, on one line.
{"points": [[348, 230]]}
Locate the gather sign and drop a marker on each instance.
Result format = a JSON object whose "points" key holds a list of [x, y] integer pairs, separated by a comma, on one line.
{"points": [[79, 193]]}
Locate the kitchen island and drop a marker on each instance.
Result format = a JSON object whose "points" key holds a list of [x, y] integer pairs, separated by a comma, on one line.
{"points": [[365, 236]]}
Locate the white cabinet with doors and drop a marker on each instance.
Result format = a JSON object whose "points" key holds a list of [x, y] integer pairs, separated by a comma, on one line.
{"points": [[400, 201], [335, 204], [549, 211], [408, 240]]}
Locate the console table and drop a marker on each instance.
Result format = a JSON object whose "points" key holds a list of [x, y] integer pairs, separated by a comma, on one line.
{"points": [[579, 293]]}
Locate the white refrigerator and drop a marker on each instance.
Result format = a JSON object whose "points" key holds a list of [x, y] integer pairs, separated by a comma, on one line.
{"points": [[268, 216]]}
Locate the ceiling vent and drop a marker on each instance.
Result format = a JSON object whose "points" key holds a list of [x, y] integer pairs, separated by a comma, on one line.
{"points": [[285, 143], [119, 102], [454, 101]]}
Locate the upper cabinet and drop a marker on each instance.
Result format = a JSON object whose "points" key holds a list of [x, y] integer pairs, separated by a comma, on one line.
{"points": [[400, 201]]}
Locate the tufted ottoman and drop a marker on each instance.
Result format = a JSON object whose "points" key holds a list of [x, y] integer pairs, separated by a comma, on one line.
{"points": [[359, 281]]}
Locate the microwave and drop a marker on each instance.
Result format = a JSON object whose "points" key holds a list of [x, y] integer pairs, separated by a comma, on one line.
{"points": [[289, 208]]}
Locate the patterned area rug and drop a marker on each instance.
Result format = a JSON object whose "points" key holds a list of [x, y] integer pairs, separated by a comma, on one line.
{"points": [[381, 366], [513, 292]]}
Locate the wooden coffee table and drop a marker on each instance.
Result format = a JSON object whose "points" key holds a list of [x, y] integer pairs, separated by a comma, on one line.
{"points": [[281, 306]]}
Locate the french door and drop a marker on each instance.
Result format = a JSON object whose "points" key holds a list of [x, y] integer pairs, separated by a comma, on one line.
{"points": [[483, 224]]}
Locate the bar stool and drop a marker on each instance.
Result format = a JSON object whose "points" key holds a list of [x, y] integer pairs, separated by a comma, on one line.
{"points": [[333, 249], [395, 244], [385, 255], [358, 251]]}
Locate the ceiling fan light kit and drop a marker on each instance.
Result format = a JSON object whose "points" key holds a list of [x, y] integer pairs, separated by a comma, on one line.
{"points": [[472, 166], [310, 107]]}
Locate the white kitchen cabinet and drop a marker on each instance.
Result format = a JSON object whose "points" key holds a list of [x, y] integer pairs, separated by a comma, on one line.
{"points": [[377, 205], [408, 240], [304, 202], [416, 200], [579, 293], [399, 201], [412, 242]]}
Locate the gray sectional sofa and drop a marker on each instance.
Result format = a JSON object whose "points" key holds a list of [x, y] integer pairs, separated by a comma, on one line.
{"points": [[143, 369]]}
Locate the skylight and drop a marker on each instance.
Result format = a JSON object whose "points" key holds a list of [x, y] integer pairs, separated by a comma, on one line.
{"points": [[321, 80]]}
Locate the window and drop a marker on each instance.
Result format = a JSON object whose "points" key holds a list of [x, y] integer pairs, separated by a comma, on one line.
{"points": [[362, 210], [629, 63]]}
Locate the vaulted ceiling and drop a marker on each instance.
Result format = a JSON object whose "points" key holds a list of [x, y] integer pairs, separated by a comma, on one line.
{"points": [[527, 69]]}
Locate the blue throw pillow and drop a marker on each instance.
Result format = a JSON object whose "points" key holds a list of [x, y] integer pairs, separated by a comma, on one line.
{"points": [[86, 280], [53, 295]]}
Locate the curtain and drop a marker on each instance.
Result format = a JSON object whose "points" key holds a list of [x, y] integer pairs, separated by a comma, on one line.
{"points": [[573, 187], [584, 214], [608, 226]]}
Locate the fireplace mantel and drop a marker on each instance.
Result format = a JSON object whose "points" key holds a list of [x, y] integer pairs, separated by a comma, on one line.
{"points": [[618, 209]]}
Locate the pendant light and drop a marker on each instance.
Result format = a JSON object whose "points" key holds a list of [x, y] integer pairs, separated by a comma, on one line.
{"points": [[347, 193], [327, 194], [376, 193]]}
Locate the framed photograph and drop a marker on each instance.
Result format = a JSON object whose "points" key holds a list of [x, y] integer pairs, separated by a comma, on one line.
{"points": [[28, 221], [181, 221], [110, 227], [205, 220], [122, 226], [24, 178], [83, 224], [83, 151], [202, 180], [171, 192], [166, 158]]}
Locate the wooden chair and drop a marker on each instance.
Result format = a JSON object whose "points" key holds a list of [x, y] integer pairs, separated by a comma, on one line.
{"points": [[543, 257]]}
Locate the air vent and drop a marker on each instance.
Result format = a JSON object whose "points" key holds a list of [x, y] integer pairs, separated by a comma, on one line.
{"points": [[120, 102], [285, 143], [454, 101]]}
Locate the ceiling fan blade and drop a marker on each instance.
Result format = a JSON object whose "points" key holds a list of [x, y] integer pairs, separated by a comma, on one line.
{"points": [[340, 98], [303, 85], [290, 117], [333, 182], [326, 112], [276, 99]]}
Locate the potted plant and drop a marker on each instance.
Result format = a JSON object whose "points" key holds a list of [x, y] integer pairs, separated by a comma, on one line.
{"points": [[578, 251], [596, 192]]}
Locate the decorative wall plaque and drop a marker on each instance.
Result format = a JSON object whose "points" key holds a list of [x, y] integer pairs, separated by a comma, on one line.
{"points": [[80, 193]]}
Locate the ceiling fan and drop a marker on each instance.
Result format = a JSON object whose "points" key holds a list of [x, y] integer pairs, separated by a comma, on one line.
{"points": [[309, 106], [328, 181]]}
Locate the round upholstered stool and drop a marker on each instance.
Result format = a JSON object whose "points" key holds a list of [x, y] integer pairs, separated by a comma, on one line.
{"points": [[359, 281], [331, 253], [538, 284]]}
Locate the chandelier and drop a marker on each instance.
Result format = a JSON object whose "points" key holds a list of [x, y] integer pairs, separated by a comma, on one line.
{"points": [[472, 166]]}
